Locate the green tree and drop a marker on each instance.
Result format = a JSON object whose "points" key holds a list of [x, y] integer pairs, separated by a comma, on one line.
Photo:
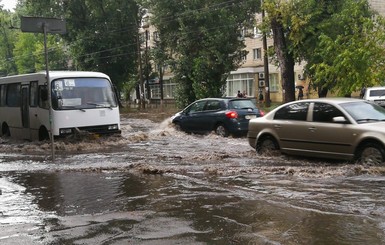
{"points": [[354, 56], [101, 35], [25, 51], [30, 54], [7, 40], [280, 24], [160, 57], [342, 43], [203, 40]]}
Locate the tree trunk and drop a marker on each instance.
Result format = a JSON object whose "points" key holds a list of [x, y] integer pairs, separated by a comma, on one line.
{"points": [[322, 92], [285, 59]]}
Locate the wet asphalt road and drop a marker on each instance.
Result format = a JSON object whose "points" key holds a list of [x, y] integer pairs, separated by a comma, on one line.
{"points": [[155, 185]]}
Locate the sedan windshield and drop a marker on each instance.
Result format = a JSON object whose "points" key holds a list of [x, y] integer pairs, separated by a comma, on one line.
{"points": [[364, 112]]}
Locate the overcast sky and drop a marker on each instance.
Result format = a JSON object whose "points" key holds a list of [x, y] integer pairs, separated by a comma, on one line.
{"points": [[8, 4]]}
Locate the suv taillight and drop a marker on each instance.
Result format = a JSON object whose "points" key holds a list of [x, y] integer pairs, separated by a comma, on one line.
{"points": [[232, 114]]}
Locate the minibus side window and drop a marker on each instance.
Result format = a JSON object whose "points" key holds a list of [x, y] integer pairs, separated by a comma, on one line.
{"points": [[13, 95]]}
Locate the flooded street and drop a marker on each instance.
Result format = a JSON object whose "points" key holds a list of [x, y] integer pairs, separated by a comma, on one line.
{"points": [[155, 185]]}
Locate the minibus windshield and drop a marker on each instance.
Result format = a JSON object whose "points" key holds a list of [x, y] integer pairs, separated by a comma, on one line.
{"points": [[82, 93]]}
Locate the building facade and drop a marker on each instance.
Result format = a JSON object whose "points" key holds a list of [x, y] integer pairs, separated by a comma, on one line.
{"points": [[378, 6], [249, 77]]}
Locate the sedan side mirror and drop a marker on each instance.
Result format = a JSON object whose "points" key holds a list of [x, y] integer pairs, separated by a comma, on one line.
{"points": [[340, 119]]}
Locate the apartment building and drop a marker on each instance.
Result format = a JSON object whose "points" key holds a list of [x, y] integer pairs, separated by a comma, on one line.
{"points": [[250, 77], [378, 5]]}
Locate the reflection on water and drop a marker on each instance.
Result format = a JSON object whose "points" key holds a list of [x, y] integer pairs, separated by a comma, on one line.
{"points": [[116, 208]]}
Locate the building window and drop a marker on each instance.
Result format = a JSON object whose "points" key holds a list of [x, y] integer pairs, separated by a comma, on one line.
{"points": [[257, 53], [168, 90], [257, 33], [243, 55], [240, 82], [156, 36], [273, 82]]}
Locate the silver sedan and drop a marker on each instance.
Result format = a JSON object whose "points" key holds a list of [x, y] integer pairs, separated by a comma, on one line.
{"points": [[337, 128]]}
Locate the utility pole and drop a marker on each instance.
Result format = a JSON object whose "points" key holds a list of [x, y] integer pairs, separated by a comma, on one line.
{"points": [[265, 63], [141, 82], [147, 69]]}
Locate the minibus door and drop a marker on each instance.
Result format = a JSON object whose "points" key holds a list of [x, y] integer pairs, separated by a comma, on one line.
{"points": [[25, 111]]}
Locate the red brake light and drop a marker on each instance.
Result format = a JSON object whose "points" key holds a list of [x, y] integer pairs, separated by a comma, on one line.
{"points": [[262, 113], [232, 114]]}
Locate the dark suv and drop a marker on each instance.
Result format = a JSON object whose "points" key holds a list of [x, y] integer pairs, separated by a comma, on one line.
{"points": [[225, 116]]}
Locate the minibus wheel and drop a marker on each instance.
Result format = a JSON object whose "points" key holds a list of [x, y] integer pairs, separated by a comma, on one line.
{"points": [[43, 134], [5, 130]]}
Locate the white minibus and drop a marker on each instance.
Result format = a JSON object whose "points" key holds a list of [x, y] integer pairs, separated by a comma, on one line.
{"points": [[80, 101]]}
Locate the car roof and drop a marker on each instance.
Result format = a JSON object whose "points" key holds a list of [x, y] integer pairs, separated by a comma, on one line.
{"points": [[225, 99], [334, 100], [375, 88]]}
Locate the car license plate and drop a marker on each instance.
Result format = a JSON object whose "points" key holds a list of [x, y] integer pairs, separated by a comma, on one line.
{"points": [[250, 116]]}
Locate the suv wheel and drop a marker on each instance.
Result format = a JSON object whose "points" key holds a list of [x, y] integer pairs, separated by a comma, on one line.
{"points": [[221, 130]]}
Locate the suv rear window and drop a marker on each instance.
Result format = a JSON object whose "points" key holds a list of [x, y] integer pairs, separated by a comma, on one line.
{"points": [[241, 104]]}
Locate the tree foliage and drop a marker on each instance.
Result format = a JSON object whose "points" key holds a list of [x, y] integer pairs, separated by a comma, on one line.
{"points": [[203, 40], [350, 52], [30, 54], [101, 35], [341, 42], [7, 40], [280, 20]]}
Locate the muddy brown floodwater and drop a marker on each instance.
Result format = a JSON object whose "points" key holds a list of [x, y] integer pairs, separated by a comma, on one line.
{"points": [[155, 185]]}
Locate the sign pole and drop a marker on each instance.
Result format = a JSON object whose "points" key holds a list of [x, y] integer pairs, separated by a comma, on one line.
{"points": [[45, 25], [49, 93]]}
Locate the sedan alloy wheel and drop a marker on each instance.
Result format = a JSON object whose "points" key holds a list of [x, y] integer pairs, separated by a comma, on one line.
{"points": [[371, 154], [267, 146]]}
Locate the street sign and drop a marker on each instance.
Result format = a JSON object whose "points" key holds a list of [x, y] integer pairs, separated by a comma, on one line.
{"points": [[38, 24]]}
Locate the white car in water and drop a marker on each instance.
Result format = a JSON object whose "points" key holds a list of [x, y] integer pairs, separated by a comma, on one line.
{"points": [[376, 95]]}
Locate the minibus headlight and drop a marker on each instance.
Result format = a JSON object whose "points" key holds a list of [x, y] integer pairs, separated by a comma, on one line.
{"points": [[113, 127]]}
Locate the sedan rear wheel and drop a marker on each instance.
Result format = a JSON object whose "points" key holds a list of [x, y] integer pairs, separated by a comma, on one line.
{"points": [[267, 146], [371, 154], [221, 130]]}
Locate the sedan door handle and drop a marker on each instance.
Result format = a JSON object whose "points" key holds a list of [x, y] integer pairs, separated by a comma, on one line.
{"points": [[312, 129], [277, 126]]}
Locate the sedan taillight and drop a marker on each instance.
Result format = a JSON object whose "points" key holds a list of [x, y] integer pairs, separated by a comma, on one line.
{"points": [[232, 114]]}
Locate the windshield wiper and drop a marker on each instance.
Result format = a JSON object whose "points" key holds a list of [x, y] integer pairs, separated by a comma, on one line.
{"points": [[100, 105], [248, 108], [73, 107], [368, 119]]}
